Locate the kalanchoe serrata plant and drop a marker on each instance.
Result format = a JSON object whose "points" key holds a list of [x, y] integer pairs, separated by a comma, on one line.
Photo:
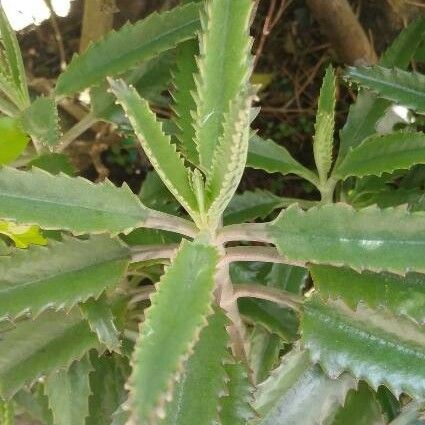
{"points": [[178, 307]]}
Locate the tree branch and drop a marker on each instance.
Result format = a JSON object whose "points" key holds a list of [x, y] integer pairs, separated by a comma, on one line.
{"points": [[251, 290]]}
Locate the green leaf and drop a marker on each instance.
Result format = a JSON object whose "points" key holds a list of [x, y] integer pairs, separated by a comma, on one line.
{"points": [[236, 405], [12, 66], [41, 121], [361, 408], [185, 292], [325, 124], [230, 155], [107, 388], [336, 234], [121, 50], [372, 345], [13, 140], [22, 235], [157, 146], [224, 69], [197, 393], [59, 275], [68, 393], [101, 320], [298, 392], [7, 413], [405, 88], [401, 50], [412, 414], [249, 206], [35, 347], [35, 403], [401, 295], [54, 163], [62, 202], [184, 103], [380, 154], [263, 353], [264, 154]]}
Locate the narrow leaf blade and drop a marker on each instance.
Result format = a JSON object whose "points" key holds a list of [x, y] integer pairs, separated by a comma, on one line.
{"points": [[185, 291], [120, 50]]}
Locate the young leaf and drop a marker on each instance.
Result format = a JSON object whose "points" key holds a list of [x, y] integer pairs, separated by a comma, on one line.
{"points": [[59, 275], [101, 320], [299, 392], [361, 408], [249, 206], [13, 60], [230, 154], [400, 295], [68, 393], [107, 383], [380, 154], [22, 235], [224, 69], [62, 202], [197, 393], [185, 291], [372, 345], [405, 88], [41, 121], [157, 146], [13, 139], [7, 413], [236, 405], [264, 154], [184, 103], [325, 124], [34, 347], [373, 239], [120, 50]]}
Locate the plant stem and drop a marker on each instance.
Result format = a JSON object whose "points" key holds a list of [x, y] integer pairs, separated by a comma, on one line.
{"points": [[266, 254], [79, 128], [262, 292], [250, 232], [327, 191], [163, 221], [152, 252]]}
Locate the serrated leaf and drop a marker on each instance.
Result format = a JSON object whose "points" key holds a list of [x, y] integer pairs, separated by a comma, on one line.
{"points": [[325, 124], [336, 234], [405, 88], [54, 163], [250, 205], [59, 275], [230, 155], [236, 405], [361, 408], [372, 345], [63, 202], [101, 320], [184, 103], [13, 60], [264, 154], [185, 291], [197, 393], [122, 49], [401, 295], [107, 388], [13, 139], [157, 146], [35, 403], [35, 347], [22, 235], [299, 392], [41, 121], [224, 68], [412, 414], [68, 393], [380, 154]]}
